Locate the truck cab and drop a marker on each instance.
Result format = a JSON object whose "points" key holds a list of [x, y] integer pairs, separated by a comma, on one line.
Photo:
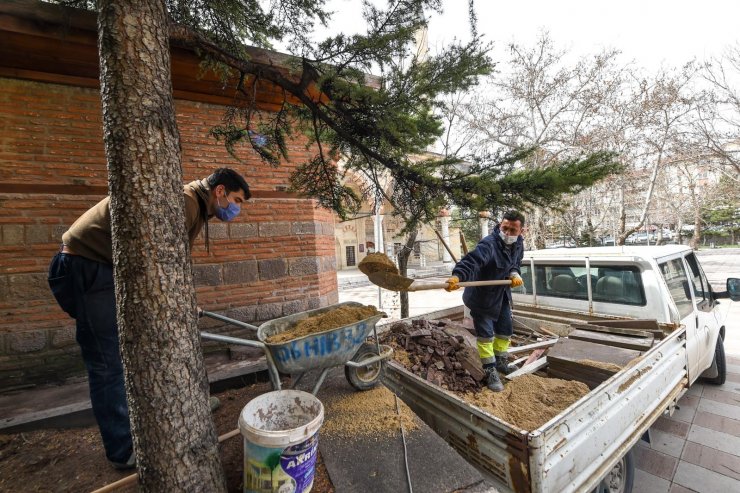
{"points": [[664, 283]]}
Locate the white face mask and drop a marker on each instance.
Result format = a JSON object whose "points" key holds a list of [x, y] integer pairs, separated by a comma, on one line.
{"points": [[509, 240]]}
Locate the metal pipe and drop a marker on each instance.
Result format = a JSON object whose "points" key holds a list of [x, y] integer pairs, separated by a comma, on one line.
{"points": [[271, 368], [229, 320], [320, 381], [367, 362]]}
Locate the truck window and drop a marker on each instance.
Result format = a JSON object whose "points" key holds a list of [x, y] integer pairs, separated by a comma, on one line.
{"points": [[700, 284], [617, 284], [678, 284], [609, 283]]}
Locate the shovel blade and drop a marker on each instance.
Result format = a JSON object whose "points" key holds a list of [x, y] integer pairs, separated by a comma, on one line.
{"points": [[390, 281]]}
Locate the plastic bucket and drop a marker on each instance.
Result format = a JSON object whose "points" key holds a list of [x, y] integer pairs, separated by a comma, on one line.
{"points": [[281, 439]]}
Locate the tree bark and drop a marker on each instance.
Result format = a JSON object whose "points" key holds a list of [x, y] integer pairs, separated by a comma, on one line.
{"points": [[174, 434], [403, 264], [696, 238]]}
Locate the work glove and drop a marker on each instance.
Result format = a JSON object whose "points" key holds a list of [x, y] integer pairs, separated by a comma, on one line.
{"points": [[516, 280], [453, 283]]}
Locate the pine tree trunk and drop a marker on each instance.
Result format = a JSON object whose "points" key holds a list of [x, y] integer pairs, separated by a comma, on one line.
{"points": [[174, 435], [403, 264]]}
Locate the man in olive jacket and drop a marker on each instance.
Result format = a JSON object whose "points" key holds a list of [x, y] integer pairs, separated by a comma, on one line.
{"points": [[498, 256], [81, 278]]}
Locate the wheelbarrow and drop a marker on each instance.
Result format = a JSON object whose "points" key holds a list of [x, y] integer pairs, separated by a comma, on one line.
{"points": [[323, 350]]}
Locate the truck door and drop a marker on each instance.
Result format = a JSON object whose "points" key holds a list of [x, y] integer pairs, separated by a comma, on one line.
{"points": [[674, 274], [707, 325]]}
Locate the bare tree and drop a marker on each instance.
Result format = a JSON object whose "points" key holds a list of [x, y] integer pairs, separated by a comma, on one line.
{"points": [[720, 124], [539, 99]]}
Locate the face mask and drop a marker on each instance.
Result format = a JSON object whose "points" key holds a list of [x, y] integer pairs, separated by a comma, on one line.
{"points": [[509, 240], [227, 213]]}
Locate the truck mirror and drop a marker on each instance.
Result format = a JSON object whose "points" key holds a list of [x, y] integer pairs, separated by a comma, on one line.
{"points": [[733, 288]]}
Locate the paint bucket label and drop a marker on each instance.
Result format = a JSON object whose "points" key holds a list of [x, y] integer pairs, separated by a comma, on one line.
{"points": [[276, 470]]}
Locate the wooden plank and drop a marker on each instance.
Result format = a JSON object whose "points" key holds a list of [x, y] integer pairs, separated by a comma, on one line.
{"points": [[535, 354], [629, 323], [637, 343], [527, 369], [612, 330], [528, 347], [574, 350]]}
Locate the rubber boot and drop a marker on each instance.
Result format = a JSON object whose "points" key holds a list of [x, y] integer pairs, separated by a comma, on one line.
{"points": [[502, 364], [493, 382]]}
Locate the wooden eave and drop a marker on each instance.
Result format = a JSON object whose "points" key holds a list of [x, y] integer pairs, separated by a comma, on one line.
{"points": [[50, 43]]}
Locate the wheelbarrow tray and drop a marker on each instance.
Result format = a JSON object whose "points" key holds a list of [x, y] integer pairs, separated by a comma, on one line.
{"points": [[332, 347]]}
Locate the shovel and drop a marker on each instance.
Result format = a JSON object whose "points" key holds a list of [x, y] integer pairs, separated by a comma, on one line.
{"points": [[396, 282]]}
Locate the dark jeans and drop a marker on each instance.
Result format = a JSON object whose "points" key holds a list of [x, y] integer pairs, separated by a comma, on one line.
{"points": [[84, 289], [488, 325]]}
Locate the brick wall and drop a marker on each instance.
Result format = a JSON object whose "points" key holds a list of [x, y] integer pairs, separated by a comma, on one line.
{"points": [[275, 259]]}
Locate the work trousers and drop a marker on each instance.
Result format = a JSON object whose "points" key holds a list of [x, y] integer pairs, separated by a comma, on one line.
{"points": [[493, 332], [84, 289]]}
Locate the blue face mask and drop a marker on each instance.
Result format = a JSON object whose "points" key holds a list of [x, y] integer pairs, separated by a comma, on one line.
{"points": [[227, 213]]}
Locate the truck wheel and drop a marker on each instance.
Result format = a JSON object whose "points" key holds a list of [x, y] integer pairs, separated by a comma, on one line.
{"points": [[621, 478], [368, 377], [719, 359]]}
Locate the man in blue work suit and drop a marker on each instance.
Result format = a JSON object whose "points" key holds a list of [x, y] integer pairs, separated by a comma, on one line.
{"points": [[498, 256]]}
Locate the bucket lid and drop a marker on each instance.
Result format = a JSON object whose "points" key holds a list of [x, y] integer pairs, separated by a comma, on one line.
{"points": [[281, 418]]}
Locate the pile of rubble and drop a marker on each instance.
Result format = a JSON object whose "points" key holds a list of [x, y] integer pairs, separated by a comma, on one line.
{"points": [[439, 351]]}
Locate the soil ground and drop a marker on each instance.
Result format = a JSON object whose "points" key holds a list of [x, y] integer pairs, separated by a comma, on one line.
{"points": [[73, 459]]}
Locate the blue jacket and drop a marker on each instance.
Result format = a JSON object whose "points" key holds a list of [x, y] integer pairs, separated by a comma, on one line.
{"points": [[491, 260]]}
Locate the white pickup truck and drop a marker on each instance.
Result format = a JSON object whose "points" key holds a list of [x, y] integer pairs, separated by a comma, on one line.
{"points": [[588, 446]]}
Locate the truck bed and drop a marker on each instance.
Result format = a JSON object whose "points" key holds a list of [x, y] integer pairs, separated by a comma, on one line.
{"points": [[575, 449]]}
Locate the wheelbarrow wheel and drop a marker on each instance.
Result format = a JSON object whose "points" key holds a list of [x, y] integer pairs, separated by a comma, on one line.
{"points": [[367, 377]]}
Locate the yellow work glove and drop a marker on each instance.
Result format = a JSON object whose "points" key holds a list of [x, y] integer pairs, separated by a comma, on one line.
{"points": [[516, 281], [453, 283]]}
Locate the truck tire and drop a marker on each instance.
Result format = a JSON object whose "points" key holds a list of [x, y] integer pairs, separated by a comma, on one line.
{"points": [[621, 478], [719, 359], [368, 377]]}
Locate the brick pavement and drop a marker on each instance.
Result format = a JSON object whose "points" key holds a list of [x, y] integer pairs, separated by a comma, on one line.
{"points": [[698, 448]]}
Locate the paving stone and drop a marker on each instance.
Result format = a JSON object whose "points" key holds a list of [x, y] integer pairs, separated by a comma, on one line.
{"points": [[654, 462], [720, 408], [685, 412], [666, 443], [695, 390], [717, 423], [715, 439], [703, 480], [731, 368], [733, 377], [649, 483], [712, 459], [720, 395], [672, 426], [730, 386], [677, 488]]}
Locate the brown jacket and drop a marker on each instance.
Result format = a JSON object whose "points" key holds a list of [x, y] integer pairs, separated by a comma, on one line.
{"points": [[90, 234]]}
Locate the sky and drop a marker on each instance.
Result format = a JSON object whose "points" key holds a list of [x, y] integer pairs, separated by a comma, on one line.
{"points": [[650, 32]]}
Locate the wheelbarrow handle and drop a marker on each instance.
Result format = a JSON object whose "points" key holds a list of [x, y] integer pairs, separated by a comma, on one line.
{"points": [[443, 285], [228, 320]]}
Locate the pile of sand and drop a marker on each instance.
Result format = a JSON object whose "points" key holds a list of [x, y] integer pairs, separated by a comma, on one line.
{"points": [[332, 319], [529, 401], [601, 364], [377, 262], [368, 414]]}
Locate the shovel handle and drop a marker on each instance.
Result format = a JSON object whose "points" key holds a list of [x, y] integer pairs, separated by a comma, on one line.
{"points": [[443, 285]]}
